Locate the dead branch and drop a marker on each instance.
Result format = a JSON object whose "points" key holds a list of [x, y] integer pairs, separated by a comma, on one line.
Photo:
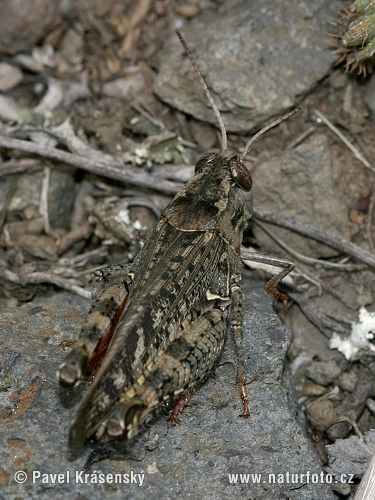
{"points": [[347, 143], [34, 278], [113, 170], [315, 233], [309, 260], [314, 315]]}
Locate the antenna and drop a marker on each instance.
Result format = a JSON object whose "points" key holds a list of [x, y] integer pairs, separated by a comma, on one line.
{"points": [[207, 92], [267, 127]]}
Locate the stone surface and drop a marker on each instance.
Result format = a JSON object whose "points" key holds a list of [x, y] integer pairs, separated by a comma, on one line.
{"points": [[301, 183], [370, 95], [10, 76], [258, 58], [9, 111], [191, 460], [61, 194], [25, 22], [351, 455]]}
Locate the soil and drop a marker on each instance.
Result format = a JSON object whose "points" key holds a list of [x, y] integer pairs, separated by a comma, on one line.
{"points": [[78, 55]]}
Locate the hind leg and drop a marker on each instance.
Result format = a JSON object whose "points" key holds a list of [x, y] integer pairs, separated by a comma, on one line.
{"points": [[184, 363], [95, 335]]}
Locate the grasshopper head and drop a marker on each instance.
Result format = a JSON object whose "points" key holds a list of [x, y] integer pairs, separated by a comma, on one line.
{"points": [[226, 166], [243, 180], [240, 174]]}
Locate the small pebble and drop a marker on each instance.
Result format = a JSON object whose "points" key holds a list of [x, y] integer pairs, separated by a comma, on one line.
{"points": [[10, 76]]}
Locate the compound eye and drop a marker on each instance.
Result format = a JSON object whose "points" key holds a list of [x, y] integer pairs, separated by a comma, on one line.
{"points": [[203, 160], [241, 175]]}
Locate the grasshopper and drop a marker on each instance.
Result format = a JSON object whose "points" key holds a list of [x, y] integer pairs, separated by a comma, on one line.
{"points": [[174, 306]]}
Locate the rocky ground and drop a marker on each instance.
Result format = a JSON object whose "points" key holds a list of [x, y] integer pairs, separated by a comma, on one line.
{"points": [[101, 121]]}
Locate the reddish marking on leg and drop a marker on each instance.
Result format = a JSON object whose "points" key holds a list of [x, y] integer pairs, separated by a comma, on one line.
{"points": [[180, 405], [65, 343], [245, 400], [101, 349], [278, 295], [241, 376]]}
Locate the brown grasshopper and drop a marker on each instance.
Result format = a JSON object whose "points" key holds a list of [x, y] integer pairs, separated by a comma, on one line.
{"points": [[176, 304]]}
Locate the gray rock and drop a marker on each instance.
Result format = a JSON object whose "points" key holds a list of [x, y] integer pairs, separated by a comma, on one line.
{"points": [[323, 372], [258, 58], [370, 95], [321, 413], [10, 76], [301, 183], [24, 23], [193, 459], [61, 194], [351, 455], [9, 110]]}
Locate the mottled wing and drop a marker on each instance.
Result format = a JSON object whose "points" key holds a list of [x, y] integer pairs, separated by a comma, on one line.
{"points": [[172, 275]]}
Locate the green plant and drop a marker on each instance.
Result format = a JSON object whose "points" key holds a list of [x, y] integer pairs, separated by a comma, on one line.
{"points": [[356, 39]]}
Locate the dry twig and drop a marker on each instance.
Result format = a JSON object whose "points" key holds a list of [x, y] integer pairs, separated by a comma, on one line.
{"points": [[314, 315], [370, 214], [318, 234], [34, 278], [19, 166], [43, 209], [366, 489], [309, 260], [111, 169], [347, 143], [5, 205]]}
